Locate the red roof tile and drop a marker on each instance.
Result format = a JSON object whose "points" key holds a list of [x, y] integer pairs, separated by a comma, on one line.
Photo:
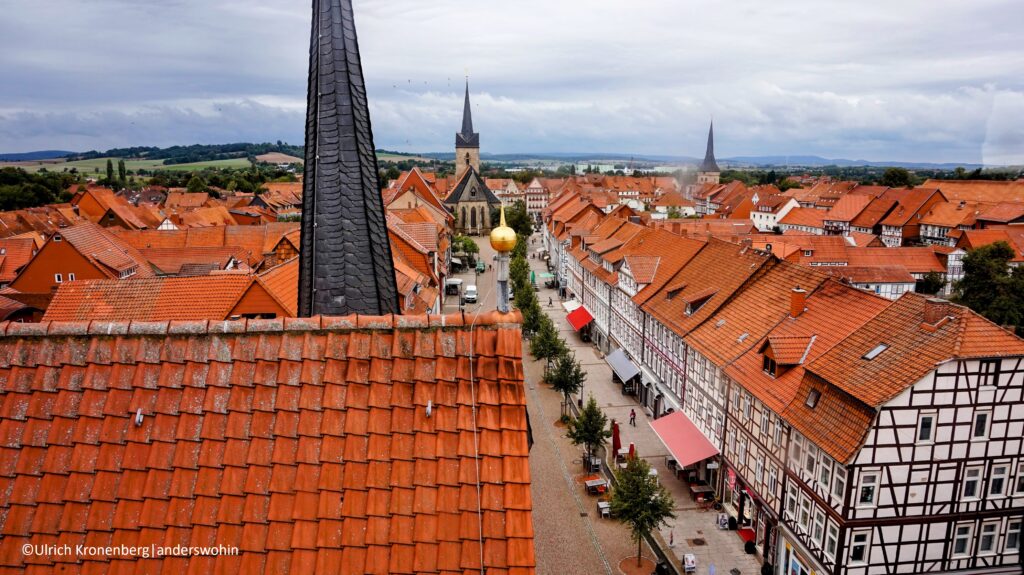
{"points": [[302, 472]]}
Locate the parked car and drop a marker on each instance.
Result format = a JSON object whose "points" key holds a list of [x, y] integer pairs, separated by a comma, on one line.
{"points": [[470, 294]]}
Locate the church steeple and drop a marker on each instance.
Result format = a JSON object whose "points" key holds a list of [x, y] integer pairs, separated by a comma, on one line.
{"points": [[467, 142], [467, 115], [345, 263], [709, 164]]}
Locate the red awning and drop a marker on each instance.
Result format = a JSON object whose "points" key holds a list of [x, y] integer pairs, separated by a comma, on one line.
{"points": [[579, 317], [684, 441]]}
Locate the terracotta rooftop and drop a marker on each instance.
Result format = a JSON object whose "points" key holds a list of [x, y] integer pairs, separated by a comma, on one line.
{"points": [[341, 445], [848, 207], [104, 249], [988, 191], [831, 313], [14, 254], [809, 217], [909, 202], [179, 200], [255, 240], [169, 261], [874, 213], [151, 299]]}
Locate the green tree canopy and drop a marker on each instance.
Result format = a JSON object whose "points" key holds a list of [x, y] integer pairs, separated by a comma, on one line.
{"points": [[897, 178], [546, 345], [639, 501], [990, 288], [590, 429], [196, 184], [931, 283], [110, 171], [567, 378], [465, 245]]}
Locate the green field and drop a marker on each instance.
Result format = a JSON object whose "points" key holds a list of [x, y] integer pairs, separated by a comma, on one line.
{"points": [[382, 157], [99, 165]]}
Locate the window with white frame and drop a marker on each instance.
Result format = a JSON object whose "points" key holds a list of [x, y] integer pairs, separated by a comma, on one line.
{"points": [[773, 480], [1020, 479], [962, 540], [759, 469], [859, 547], [979, 428], [778, 431], [811, 458], [831, 540], [58, 278], [747, 410], [839, 484], [791, 495], [71, 276], [765, 420], [825, 471], [805, 512], [1012, 543], [972, 481], [926, 427], [987, 539], [868, 491], [732, 441], [997, 481], [819, 526], [796, 454], [741, 455]]}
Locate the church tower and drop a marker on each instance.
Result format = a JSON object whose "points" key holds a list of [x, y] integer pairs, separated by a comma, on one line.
{"points": [[709, 171], [345, 263], [467, 142]]}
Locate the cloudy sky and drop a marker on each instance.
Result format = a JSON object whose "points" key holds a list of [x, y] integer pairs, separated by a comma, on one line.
{"points": [[910, 80]]}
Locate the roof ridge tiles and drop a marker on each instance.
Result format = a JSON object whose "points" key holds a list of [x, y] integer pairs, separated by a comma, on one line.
{"points": [[495, 320]]}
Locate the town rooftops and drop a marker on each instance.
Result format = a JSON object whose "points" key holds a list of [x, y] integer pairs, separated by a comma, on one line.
{"points": [[805, 217], [985, 191], [101, 248], [889, 353], [314, 445], [910, 201]]}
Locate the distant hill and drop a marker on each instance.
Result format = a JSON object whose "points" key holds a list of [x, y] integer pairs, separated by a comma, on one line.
{"points": [[818, 161], [35, 156], [193, 153]]}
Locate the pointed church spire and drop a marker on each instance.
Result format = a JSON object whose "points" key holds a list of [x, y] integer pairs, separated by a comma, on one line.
{"points": [[345, 263], [467, 138], [467, 114], [709, 164]]}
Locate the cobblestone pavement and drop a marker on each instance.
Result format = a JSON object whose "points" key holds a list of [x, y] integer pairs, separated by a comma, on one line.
{"points": [[569, 535]]}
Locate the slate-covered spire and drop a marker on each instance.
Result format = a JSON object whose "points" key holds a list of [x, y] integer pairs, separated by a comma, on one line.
{"points": [[345, 263], [709, 164], [467, 138]]}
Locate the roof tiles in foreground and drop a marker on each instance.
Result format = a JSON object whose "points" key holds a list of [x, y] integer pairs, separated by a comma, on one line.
{"points": [[307, 443]]}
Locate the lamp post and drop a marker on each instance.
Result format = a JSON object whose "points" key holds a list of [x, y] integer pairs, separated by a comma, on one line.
{"points": [[503, 240]]}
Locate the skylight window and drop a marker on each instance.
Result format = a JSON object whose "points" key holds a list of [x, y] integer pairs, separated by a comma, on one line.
{"points": [[876, 351], [812, 398]]}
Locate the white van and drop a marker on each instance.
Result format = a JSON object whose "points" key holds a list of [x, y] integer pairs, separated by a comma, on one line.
{"points": [[470, 294]]}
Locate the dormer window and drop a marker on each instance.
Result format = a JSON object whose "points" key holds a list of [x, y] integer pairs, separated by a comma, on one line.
{"points": [[807, 253], [769, 366]]}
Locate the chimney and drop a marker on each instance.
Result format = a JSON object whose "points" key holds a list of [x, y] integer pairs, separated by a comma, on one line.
{"points": [[935, 309], [797, 299]]}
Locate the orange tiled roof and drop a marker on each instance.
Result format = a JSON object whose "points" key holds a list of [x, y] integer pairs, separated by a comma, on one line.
{"points": [[1012, 235], [282, 282], [750, 313], [877, 210], [255, 240], [306, 443], [831, 313], [909, 202], [950, 214], [848, 207], [809, 217], [912, 349], [14, 254], [185, 200], [104, 249], [1003, 213], [987, 191], [151, 299], [169, 261], [720, 267]]}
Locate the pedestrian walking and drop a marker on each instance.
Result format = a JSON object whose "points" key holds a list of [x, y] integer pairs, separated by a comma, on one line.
{"points": [[549, 301], [632, 417]]}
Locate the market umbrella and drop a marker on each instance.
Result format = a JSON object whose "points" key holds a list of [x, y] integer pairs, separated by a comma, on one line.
{"points": [[632, 450], [533, 277], [616, 440]]}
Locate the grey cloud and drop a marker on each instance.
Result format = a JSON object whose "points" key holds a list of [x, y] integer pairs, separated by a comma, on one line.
{"points": [[937, 80]]}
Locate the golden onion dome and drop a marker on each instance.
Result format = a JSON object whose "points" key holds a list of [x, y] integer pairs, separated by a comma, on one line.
{"points": [[503, 238]]}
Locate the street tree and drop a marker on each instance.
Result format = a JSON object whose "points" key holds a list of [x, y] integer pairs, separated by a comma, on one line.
{"points": [[640, 502], [546, 345], [519, 273], [567, 378], [591, 428], [989, 287]]}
